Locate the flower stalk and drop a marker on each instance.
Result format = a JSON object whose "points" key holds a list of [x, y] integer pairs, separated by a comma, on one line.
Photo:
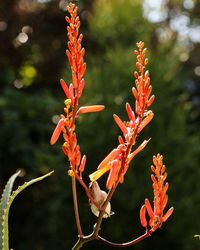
{"points": [[117, 162], [73, 92]]}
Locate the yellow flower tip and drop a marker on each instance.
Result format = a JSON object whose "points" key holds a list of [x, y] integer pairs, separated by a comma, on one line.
{"points": [[68, 102], [97, 174], [71, 173], [92, 177], [140, 44]]}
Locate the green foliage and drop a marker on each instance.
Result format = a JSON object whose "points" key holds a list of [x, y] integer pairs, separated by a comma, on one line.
{"points": [[110, 30], [170, 131], [6, 202], [113, 23]]}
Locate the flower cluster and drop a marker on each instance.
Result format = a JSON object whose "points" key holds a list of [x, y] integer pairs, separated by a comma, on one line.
{"points": [[119, 159], [73, 92], [156, 214]]}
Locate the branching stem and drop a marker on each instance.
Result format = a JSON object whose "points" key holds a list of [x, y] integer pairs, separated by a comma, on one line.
{"points": [[126, 244]]}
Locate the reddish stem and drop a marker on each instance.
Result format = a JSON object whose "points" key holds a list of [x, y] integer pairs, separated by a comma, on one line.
{"points": [[86, 190], [126, 244], [76, 211]]}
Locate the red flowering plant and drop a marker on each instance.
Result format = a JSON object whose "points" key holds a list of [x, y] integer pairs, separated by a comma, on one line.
{"points": [[118, 160]]}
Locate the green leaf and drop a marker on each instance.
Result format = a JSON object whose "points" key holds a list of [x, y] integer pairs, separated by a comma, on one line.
{"points": [[5, 232], [4, 199]]}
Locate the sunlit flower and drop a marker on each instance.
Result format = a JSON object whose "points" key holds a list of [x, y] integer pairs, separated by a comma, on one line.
{"points": [[156, 214], [117, 162], [73, 91], [57, 131], [97, 174], [90, 109]]}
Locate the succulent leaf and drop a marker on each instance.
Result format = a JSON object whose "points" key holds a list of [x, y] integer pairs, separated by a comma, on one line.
{"points": [[4, 224], [4, 199]]}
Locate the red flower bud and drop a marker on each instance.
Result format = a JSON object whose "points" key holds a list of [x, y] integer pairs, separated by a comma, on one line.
{"points": [[143, 216], [90, 109], [57, 131]]}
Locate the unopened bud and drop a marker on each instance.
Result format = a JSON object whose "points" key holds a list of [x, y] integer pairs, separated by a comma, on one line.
{"points": [[68, 102]]}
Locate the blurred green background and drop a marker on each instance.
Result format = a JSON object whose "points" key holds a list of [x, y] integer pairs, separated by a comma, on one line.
{"points": [[33, 40]]}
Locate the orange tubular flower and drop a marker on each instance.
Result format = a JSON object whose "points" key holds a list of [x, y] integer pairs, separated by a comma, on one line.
{"points": [[73, 92], [156, 214], [90, 109], [119, 159], [117, 162]]}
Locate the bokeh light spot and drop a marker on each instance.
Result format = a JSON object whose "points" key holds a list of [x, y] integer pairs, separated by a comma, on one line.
{"points": [[55, 119], [18, 84], [197, 70], [3, 25], [22, 37]]}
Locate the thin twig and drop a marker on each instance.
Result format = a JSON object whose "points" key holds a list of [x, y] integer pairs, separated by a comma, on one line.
{"points": [[103, 208], [82, 241], [76, 207], [94, 235], [126, 244], [86, 190]]}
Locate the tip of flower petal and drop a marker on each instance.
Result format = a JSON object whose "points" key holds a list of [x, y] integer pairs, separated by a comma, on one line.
{"points": [[57, 131], [98, 173], [168, 214], [143, 216], [120, 124], [90, 109]]}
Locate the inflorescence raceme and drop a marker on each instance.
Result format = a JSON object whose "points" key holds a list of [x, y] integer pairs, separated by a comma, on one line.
{"points": [[118, 160]]}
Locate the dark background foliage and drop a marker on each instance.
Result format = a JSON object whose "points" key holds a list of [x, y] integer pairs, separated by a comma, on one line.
{"points": [[32, 48]]}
